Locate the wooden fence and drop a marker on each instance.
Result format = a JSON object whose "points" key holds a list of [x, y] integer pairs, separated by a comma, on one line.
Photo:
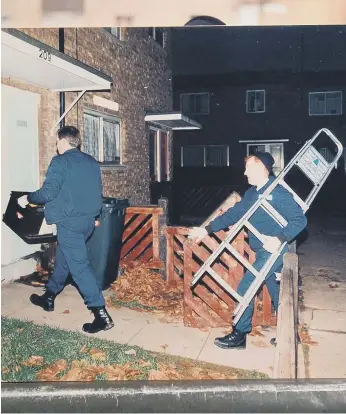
{"points": [[149, 241], [208, 304], [285, 362], [141, 237]]}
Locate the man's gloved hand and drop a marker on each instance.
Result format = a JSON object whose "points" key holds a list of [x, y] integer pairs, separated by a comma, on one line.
{"points": [[271, 244], [23, 201], [197, 233]]}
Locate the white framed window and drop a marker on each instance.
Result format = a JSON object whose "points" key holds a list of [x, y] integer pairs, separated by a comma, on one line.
{"points": [[101, 138], [325, 103], [158, 155], [276, 149], [158, 35], [115, 31], [255, 101], [195, 103], [205, 156]]}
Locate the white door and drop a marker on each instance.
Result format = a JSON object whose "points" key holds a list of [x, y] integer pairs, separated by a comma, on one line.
{"points": [[19, 160]]}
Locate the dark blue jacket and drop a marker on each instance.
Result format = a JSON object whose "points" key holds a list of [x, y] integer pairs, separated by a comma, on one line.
{"points": [[282, 200], [72, 188]]}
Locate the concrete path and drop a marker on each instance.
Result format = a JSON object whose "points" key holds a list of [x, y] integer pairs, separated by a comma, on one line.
{"points": [[140, 329], [322, 260]]}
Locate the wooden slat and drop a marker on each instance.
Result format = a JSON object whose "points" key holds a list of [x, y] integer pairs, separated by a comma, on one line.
{"points": [[177, 230], [133, 226], [134, 240], [220, 292], [155, 236], [193, 305], [148, 255], [267, 306], [144, 210], [136, 252], [128, 217], [213, 304], [170, 274], [187, 279]]}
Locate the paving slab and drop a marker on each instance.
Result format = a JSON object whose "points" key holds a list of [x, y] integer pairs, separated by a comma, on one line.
{"points": [[328, 320], [258, 355], [174, 340], [327, 359]]}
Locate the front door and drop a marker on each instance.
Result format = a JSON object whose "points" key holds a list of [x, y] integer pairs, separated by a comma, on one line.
{"points": [[19, 160]]}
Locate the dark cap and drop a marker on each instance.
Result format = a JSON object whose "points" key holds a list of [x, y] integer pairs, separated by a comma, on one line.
{"points": [[266, 159]]}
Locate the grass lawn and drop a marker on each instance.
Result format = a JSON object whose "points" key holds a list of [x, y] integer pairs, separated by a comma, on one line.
{"points": [[40, 353]]}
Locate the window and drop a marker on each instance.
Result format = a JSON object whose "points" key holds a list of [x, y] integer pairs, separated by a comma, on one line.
{"points": [[157, 34], [195, 103], [325, 103], [255, 101], [116, 31], [275, 149], [205, 156], [102, 138], [158, 155]]}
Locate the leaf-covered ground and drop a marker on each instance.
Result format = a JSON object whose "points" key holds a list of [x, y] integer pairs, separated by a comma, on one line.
{"points": [[40, 353]]}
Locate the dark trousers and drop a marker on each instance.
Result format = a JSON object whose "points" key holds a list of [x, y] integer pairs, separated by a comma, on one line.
{"points": [[72, 257], [245, 322]]}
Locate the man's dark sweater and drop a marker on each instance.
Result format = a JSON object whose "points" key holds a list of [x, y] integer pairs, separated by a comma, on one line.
{"points": [[281, 199], [72, 188]]}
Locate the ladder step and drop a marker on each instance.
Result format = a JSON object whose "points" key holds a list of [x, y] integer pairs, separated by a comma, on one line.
{"points": [[296, 197], [242, 260], [273, 213], [222, 283], [254, 231]]}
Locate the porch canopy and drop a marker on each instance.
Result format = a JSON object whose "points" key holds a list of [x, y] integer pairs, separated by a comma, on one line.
{"points": [[172, 120], [31, 61]]}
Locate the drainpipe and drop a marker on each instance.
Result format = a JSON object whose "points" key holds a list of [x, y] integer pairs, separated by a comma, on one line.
{"points": [[62, 94]]}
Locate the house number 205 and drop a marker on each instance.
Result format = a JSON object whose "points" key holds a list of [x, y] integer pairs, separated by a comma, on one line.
{"points": [[43, 54]]}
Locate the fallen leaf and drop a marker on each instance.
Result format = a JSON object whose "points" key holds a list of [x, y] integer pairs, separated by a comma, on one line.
{"points": [[97, 354], [17, 368], [5, 370], [143, 364], [260, 343], [19, 329], [33, 361], [66, 311], [256, 332], [131, 352], [83, 349], [115, 373], [333, 286], [157, 375], [50, 373]]}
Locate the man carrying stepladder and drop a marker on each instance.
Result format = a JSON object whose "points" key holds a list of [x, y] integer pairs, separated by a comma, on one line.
{"points": [[258, 170]]}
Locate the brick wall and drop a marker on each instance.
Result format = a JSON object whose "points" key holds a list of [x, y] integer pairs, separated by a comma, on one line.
{"points": [[141, 73]]}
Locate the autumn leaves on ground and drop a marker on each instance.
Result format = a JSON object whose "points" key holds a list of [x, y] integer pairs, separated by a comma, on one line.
{"points": [[40, 353]]}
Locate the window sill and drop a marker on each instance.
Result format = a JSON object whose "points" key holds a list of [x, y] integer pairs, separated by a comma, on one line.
{"points": [[113, 167]]}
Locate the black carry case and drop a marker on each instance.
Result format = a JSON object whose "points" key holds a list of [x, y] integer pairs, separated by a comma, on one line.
{"points": [[27, 222]]}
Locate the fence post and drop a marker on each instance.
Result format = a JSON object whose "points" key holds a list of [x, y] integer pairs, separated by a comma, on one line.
{"points": [[163, 222], [285, 364]]}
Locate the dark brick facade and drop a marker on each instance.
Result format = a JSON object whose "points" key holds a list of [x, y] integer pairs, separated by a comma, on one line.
{"points": [[141, 73]]}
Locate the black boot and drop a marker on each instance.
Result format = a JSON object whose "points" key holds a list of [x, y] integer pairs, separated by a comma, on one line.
{"points": [[102, 321], [45, 301], [236, 340]]}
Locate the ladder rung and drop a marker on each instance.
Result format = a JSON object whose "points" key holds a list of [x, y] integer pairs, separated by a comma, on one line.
{"points": [[296, 197], [254, 231], [222, 283], [271, 210], [242, 260]]}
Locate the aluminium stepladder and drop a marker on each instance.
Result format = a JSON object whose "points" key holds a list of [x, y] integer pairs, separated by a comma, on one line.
{"points": [[317, 170]]}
